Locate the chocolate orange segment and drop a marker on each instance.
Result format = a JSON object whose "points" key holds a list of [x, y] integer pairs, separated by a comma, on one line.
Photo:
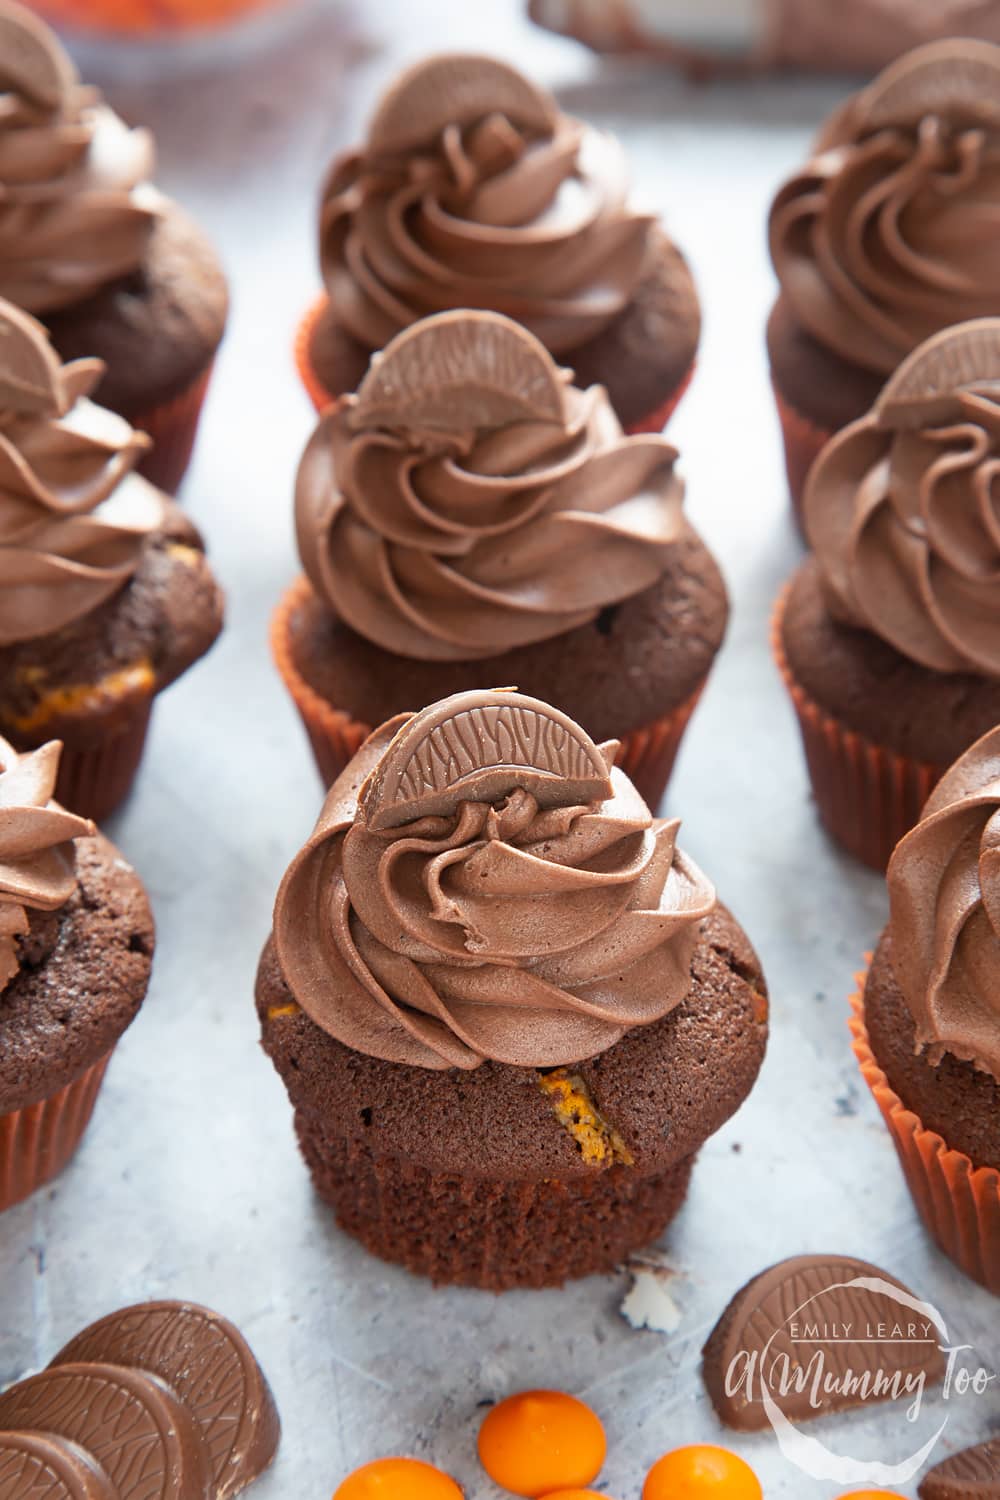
{"points": [[828, 1310], [33, 62], [210, 1366], [973, 1474], [36, 1466], [458, 371], [925, 388], [455, 90], [31, 380], [478, 747], [958, 73], [138, 1430]]}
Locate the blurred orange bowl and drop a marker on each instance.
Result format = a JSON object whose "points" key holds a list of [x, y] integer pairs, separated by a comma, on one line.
{"points": [[143, 17]]}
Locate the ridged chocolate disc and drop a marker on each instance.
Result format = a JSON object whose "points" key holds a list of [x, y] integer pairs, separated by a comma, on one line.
{"points": [[32, 60], [478, 747], [454, 89], [801, 1310], [211, 1367], [957, 75], [137, 1429], [460, 370], [925, 386], [30, 371], [35, 1466], [973, 1474]]}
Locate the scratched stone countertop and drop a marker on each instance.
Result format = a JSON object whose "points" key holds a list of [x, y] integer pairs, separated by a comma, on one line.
{"points": [[189, 1183]]}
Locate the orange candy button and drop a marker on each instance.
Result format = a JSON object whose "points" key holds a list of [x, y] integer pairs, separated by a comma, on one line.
{"points": [[578, 1495], [701, 1472], [871, 1495], [398, 1479], [540, 1442]]}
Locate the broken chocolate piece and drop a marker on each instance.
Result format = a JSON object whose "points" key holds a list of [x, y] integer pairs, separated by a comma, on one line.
{"points": [[815, 1334], [211, 1367]]}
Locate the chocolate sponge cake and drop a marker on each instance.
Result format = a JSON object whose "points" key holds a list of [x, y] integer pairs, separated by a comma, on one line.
{"points": [[507, 1008]]}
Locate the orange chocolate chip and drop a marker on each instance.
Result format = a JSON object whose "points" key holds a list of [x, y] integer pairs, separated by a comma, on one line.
{"points": [[578, 1495], [540, 1442], [398, 1479], [701, 1472]]}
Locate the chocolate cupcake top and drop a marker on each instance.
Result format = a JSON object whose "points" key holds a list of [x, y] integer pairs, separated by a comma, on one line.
{"points": [[892, 230], [73, 516], [944, 892], [482, 883], [474, 190], [469, 499], [37, 855], [900, 507], [76, 210]]}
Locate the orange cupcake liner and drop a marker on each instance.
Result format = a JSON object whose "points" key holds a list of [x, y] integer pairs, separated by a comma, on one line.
{"points": [[36, 1142], [646, 755], [958, 1202], [173, 426], [315, 389], [97, 770], [867, 796], [94, 780], [804, 441], [321, 397]]}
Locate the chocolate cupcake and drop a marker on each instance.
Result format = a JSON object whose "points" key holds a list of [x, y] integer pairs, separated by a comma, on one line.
{"points": [[114, 269], [469, 518], [508, 1010], [888, 637], [105, 594], [474, 190], [888, 234], [76, 946], [927, 1027]]}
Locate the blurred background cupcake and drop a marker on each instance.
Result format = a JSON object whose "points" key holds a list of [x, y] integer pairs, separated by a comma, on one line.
{"points": [[471, 518], [888, 234], [105, 593], [507, 1008], [888, 637], [87, 244], [927, 1026], [473, 190], [76, 947]]}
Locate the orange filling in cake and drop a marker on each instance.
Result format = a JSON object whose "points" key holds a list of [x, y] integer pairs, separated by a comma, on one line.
{"points": [[599, 1143], [275, 1012], [82, 699]]}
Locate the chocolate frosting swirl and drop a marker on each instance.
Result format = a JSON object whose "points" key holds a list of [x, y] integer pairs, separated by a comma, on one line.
{"points": [[901, 507], [37, 870], [944, 892], [73, 517], [892, 231], [474, 191], [76, 208], [468, 500], [495, 890]]}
